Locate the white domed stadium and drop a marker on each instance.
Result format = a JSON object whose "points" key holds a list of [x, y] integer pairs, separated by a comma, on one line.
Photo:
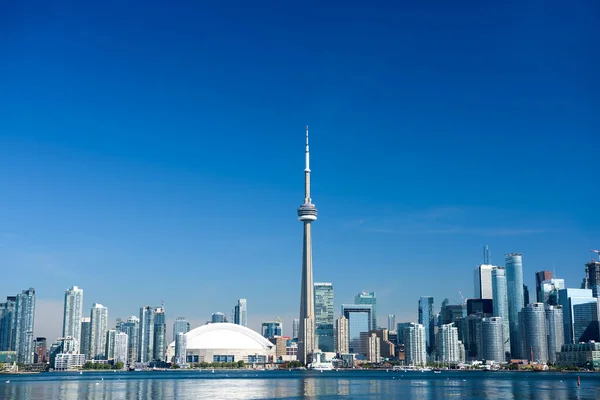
{"points": [[225, 342]]}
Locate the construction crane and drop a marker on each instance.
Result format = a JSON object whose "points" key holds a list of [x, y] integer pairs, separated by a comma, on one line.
{"points": [[597, 252], [462, 297]]}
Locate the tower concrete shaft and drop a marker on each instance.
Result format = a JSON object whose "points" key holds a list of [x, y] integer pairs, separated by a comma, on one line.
{"points": [[307, 213]]}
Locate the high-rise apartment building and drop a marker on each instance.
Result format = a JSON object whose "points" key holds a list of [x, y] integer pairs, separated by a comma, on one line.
{"points": [[98, 329], [121, 348], [24, 321], [500, 304], [373, 348], [131, 328], [271, 329], [371, 299], [180, 348], [295, 327], [580, 315], [492, 340], [532, 331], [415, 347], [86, 333], [160, 334], [483, 281], [109, 353], [240, 313], [73, 312], [554, 331], [427, 319], [359, 321], [341, 334], [146, 335], [541, 276], [391, 322], [7, 324], [324, 332], [446, 343], [40, 349], [514, 289], [181, 325]]}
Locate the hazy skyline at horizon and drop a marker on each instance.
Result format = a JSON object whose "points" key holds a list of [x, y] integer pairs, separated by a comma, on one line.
{"points": [[156, 153]]}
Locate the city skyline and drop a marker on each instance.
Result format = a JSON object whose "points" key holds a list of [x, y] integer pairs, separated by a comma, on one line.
{"points": [[144, 159]]}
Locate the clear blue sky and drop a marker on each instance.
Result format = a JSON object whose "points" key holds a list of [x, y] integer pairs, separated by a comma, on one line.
{"points": [[152, 151]]}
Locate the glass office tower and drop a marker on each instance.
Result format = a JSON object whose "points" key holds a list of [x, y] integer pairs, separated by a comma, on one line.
{"points": [[427, 319], [359, 321], [514, 289], [324, 331]]}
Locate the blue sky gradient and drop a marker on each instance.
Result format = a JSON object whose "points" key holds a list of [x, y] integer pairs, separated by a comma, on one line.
{"points": [[152, 151]]}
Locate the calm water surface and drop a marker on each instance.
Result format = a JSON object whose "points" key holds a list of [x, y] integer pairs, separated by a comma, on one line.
{"points": [[299, 384]]}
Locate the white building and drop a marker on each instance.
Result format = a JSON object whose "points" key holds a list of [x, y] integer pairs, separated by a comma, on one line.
{"points": [[181, 348], [447, 345], [64, 362], [341, 330], [72, 314], [483, 281], [120, 350], [98, 329], [373, 348], [415, 345], [225, 342]]}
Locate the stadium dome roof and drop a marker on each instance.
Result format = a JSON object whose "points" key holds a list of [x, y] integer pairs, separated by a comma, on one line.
{"points": [[224, 335]]}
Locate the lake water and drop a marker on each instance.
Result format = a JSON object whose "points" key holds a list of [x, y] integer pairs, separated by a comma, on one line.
{"points": [[299, 384]]}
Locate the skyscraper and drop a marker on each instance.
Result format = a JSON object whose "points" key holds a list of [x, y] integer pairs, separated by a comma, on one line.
{"points": [[359, 321], [532, 331], [180, 348], [554, 331], [24, 317], [483, 281], [592, 277], [131, 328], [217, 317], [541, 276], [109, 352], [121, 348], [98, 329], [500, 304], [271, 329], [181, 325], [72, 315], [427, 319], [84, 347], [446, 343], [514, 286], [341, 334], [324, 317], [295, 328], [415, 348], [580, 315], [492, 340], [160, 334], [368, 298], [240, 313], [391, 322], [549, 291], [307, 213], [146, 335], [40, 349], [7, 324]]}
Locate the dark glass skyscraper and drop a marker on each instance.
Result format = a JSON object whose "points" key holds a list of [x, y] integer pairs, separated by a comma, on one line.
{"points": [[427, 319], [514, 286]]}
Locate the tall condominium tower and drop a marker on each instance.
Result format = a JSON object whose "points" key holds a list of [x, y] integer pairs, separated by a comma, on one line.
{"points": [[500, 304], [532, 331], [295, 328], [492, 340], [554, 331], [368, 298], [181, 325], [146, 335], [391, 322], [415, 348], [160, 334], [7, 324], [84, 347], [446, 344], [98, 329], [121, 348], [180, 348], [324, 332], [72, 315], [483, 281], [109, 353], [131, 328], [427, 319], [514, 286], [541, 276], [24, 316], [240, 313], [341, 334], [307, 213]]}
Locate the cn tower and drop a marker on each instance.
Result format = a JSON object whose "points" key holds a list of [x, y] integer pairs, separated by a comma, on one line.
{"points": [[307, 213]]}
